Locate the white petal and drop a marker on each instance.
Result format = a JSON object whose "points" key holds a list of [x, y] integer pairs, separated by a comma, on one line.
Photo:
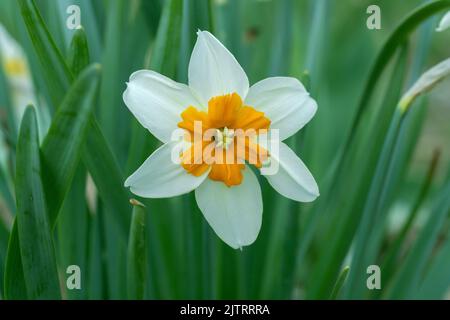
{"points": [[157, 102], [284, 101], [293, 179], [234, 213], [160, 177], [445, 23], [214, 71]]}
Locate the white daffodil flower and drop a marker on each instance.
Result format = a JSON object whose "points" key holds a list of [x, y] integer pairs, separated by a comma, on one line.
{"points": [[445, 23], [219, 99]]}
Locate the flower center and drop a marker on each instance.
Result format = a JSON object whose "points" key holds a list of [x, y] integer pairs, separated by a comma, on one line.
{"points": [[226, 138]]}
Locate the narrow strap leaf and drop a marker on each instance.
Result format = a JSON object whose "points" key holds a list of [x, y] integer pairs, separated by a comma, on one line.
{"points": [[56, 72], [62, 147], [35, 237], [136, 255], [339, 283], [79, 52]]}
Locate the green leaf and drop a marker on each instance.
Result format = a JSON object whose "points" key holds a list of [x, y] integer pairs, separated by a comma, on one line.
{"points": [[6, 104], [56, 72], [72, 233], [102, 165], [356, 279], [168, 38], [347, 206], [61, 151], [396, 38], [136, 255], [436, 282], [14, 282], [339, 283], [35, 237], [111, 86], [98, 157], [5, 191], [406, 283], [62, 147], [393, 253], [79, 52]]}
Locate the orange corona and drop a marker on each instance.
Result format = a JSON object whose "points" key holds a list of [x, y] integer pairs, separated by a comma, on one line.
{"points": [[226, 115]]}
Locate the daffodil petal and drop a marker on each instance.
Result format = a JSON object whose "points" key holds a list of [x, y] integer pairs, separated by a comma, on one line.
{"points": [[445, 23], [293, 179], [157, 102], [214, 71], [234, 213], [284, 101], [160, 177]]}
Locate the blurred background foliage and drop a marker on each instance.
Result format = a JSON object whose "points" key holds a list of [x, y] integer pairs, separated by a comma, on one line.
{"points": [[385, 189]]}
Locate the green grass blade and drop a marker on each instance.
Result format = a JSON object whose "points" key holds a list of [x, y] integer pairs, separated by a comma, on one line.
{"points": [[168, 39], [6, 104], [98, 156], [339, 283], [5, 191], [392, 255], [101, 163], [55, 70], [436, 282], [72, 234], [62, 147], [397, 38], [345, 222], [60, 152], [356, 281], [14, 281], [372, 208], [33, 226], [79, 52], [407, 281], [136, 256], [111, 88]]}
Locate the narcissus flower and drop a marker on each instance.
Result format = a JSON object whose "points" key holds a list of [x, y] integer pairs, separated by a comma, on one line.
{"points": [[219, 100]]}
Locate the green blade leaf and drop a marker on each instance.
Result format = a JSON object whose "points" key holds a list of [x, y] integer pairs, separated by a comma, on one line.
{"points": [[35, 238], [14, 282], [79, 52], [98, 156], [101, 163], [346, 224], [136, 255], [54, 68], [339, 283], [436, 282], [406, 283], [397, 38], [61, 152], [394, 252], [61, 149]]}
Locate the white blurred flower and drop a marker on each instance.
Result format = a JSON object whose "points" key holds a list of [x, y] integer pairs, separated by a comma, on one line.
{"points": [[219, 98], [445, 23], [20, 83], [16, 69]]}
